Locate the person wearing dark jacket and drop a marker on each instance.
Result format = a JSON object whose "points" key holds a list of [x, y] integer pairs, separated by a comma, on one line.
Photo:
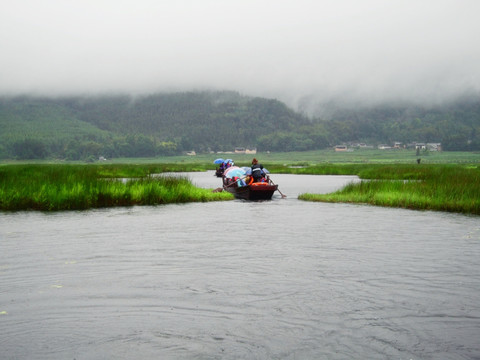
{"points": [[257, 170]]}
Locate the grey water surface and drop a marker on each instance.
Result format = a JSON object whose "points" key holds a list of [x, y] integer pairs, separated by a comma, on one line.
{"points": [[280, 279]]}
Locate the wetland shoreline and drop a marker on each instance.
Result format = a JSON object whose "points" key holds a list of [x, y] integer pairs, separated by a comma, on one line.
{"points": [[56, 187]]}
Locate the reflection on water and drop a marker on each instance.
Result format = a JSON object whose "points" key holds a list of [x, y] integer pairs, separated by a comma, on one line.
{"points": [[279, 279]]}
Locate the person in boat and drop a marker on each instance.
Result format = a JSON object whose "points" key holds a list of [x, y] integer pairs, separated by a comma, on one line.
{"points": [[257, 171], [240, 182], [220, 169]]}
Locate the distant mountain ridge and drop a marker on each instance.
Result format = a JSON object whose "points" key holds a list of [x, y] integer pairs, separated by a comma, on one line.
{"points": [[85, 127], [150, 125]]}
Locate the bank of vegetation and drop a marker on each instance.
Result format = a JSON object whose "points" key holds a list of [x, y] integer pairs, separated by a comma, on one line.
{"points": [[77, 187], [452, 188], [51, 187]]}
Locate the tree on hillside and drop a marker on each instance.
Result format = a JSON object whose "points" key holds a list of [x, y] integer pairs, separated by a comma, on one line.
{"points": [[29, 149]]}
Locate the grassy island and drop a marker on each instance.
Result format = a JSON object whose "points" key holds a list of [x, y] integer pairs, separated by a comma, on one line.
{"points": [[446, 187], [49, 187]]}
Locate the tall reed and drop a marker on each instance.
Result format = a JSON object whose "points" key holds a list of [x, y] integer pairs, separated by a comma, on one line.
{"points": [[74, 187], [452, 188]]}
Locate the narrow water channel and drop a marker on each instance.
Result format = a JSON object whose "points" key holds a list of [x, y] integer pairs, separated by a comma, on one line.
{"points": [[280, 279]]}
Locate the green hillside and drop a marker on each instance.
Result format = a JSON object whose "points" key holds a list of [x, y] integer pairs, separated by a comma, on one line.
{"points": [[160, 124], [194, 120], [82, 127], [455, 124], [37, 128]]}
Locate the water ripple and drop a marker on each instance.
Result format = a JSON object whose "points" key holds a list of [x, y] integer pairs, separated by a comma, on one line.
{"points": [[283, 279]]}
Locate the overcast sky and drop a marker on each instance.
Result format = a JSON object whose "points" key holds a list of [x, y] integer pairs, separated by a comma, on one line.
{"points": [[366, 49]]}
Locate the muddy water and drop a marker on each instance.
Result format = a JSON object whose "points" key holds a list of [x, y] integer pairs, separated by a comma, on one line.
{"points": [[282, 279]]}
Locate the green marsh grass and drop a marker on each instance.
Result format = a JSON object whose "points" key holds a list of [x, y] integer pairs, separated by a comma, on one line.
{"points": [[452, 188], [444, 187], [77, 187]]}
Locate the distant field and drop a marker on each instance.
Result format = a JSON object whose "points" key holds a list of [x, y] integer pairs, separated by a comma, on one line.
{"points": [[308, 158], [368, 156], [324, 156]]}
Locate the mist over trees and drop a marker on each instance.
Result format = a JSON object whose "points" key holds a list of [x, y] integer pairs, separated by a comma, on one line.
{"points": [[454, 124], [85, 128]]}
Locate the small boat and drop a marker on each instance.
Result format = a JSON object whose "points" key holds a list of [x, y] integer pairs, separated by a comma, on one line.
{"points": [[254, 191], [219, 172], [224, 165]]}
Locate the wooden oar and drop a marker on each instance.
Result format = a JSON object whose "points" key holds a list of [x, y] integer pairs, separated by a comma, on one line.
{"points": [[283, 196], [222, 188]]}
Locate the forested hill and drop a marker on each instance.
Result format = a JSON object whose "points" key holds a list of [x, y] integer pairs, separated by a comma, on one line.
{"points": [[160, 124], [165, 124], [455, 124]]}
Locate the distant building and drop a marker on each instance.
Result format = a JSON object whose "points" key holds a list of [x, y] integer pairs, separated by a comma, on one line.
{"points": [[364, 146], [191, 153], [242, 150], [384, 147], [434, 146], [341, 148]]}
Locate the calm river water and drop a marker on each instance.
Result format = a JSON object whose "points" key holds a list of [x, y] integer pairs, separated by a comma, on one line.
{"points": [[282, 279]]}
